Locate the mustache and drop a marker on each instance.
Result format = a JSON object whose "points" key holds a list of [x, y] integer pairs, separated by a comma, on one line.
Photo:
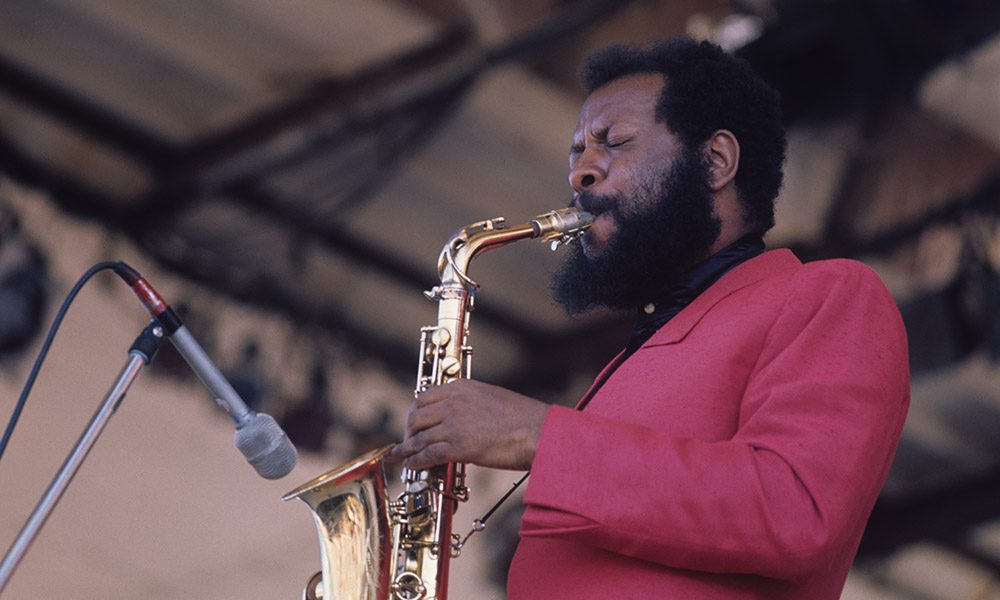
{"points": [[595, 203]]}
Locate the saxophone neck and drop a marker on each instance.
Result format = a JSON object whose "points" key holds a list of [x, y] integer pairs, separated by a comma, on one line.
{"points": [[560, 226]]}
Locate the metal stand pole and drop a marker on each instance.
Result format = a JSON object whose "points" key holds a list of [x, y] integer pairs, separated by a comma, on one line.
{"points": [[140, 354]]}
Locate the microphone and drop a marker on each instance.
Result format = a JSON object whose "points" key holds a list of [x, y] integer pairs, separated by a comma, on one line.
{"points": [[258, 436]]}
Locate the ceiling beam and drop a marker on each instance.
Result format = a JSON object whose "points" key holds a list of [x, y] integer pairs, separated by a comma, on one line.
{"points": [[845, 57], [324, 101], [71, 194], [268, 293], [945, 515], [82, 114], [985, 200], [571, 19], [361, 251], [443, 67]]}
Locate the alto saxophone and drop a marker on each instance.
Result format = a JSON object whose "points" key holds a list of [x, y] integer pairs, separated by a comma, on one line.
{"points": [[373, 548]]}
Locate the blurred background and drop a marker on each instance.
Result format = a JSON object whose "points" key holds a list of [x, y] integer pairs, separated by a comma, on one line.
{"points": [[286, 173]]}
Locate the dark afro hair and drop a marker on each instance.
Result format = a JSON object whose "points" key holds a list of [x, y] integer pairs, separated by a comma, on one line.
{"points": [[707, 90]]}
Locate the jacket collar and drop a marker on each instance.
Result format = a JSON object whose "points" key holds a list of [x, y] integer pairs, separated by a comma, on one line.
{"points": [[748, 273]]}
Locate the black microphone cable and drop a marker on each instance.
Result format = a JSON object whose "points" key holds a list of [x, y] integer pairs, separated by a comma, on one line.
{"points": [[45, 347]]}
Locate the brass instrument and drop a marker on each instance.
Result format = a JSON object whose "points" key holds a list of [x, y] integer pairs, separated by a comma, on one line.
{"points": [[373, 548]]}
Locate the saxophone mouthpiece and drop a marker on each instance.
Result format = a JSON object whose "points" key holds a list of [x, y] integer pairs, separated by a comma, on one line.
{"points": [[561, 226]]}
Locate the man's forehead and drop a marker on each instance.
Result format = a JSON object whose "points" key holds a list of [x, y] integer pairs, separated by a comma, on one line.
{"points": [[632, 97]]}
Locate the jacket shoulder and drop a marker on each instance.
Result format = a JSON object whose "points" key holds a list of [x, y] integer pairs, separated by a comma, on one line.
{"points": [[838, 273]]}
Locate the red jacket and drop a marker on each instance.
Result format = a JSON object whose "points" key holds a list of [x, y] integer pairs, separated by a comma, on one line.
{"points": [[737, 454]]}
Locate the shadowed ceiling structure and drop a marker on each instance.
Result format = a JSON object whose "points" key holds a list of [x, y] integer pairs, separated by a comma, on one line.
{"points": [[310, 158]]}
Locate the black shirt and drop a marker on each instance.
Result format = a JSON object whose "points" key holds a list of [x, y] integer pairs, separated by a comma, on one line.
{"points": [[655, 314]]}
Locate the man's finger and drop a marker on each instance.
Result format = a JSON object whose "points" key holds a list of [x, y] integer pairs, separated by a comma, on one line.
{"points": [[440, 392], [432, 455], [425, 417], [417, 442]]}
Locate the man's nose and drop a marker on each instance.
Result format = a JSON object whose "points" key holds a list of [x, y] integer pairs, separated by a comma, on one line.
{"points": [[585, 175]]}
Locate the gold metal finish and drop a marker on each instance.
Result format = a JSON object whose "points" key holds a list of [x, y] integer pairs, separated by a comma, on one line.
{"points": [[348, 505], [376, 549]]}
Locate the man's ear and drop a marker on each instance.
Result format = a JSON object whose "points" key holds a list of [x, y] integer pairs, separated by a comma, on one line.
{"points": [[722, 151]]}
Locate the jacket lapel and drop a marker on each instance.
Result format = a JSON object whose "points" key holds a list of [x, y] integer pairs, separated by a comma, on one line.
{"points": [[748, 273], [601, 378], [676, 329]]}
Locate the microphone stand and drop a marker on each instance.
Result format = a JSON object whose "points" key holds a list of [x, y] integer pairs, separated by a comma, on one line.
{"points": [[141, 352]]}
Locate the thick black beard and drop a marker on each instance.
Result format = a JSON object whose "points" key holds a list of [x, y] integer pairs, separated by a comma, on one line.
{"points": [[651, 249]]}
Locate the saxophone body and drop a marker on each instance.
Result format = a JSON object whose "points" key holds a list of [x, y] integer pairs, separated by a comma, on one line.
{"points": [[376, 548]]}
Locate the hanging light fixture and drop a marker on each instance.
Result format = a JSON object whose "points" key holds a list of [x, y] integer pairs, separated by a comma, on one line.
{"points": [[23, 286]]}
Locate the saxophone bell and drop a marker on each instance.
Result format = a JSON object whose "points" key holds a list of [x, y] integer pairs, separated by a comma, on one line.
{"points": [[351, 512]]}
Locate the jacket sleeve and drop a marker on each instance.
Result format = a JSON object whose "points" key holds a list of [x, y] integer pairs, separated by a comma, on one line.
{"points": [[820, 417]]}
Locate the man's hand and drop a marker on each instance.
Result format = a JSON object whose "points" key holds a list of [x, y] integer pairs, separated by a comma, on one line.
{"points": [[472, 422]]}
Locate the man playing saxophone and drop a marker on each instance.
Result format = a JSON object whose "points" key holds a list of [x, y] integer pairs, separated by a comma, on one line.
{"points": [[735, 447]]}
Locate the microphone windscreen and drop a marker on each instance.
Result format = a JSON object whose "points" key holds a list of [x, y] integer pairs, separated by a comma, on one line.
{"points": [[266, 447]]}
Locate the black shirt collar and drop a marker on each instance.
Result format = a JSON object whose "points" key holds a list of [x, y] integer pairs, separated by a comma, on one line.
{"points": [[655, 314]]}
